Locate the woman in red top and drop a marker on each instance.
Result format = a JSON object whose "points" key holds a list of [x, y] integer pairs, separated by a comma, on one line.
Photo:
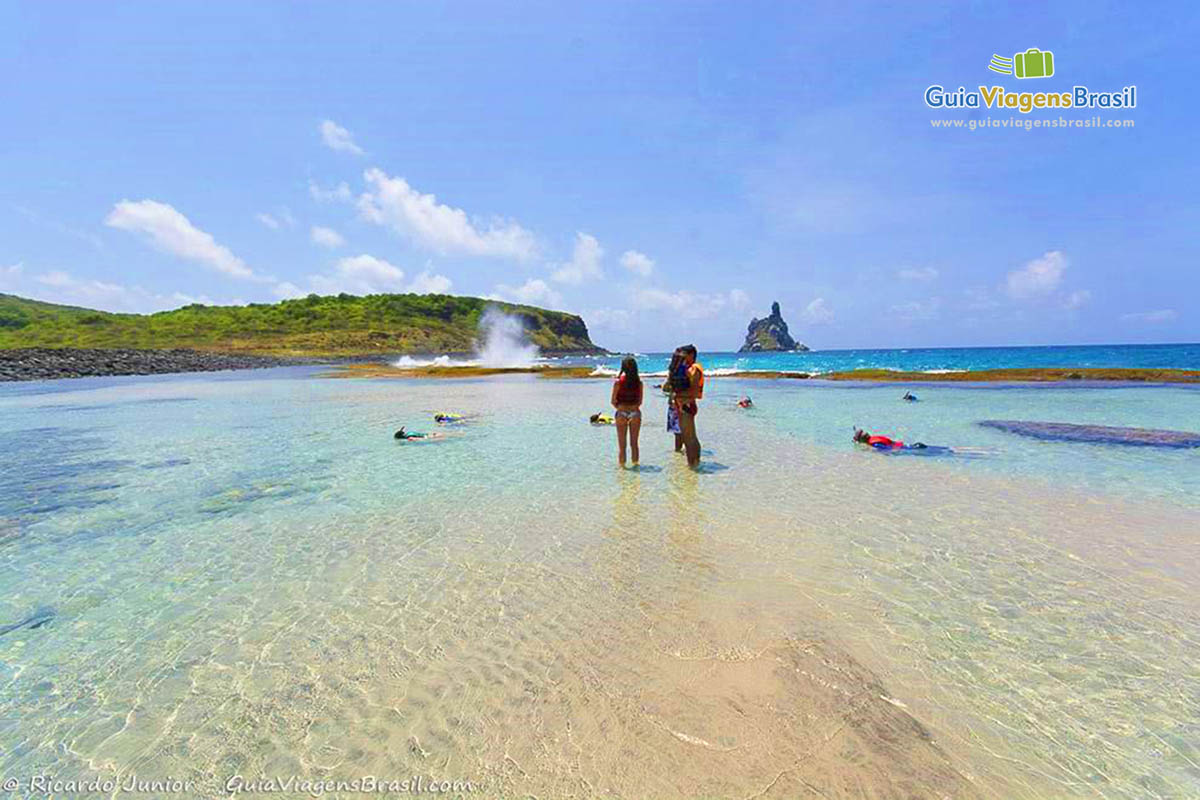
{"points": [[627, 400]]}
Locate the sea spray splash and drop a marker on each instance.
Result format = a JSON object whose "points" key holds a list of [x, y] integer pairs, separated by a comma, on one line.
{"points": [[504, 341]]}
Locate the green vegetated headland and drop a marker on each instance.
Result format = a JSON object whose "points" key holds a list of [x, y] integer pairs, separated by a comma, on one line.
{"points": [[311, 326]]}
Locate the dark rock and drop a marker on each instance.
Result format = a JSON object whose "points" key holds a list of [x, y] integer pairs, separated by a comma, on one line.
{"points": [[35, 364], [1095, 434], [770, 334]]}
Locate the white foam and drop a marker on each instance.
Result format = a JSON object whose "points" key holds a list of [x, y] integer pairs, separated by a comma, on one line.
{"points": [[408, 362]]}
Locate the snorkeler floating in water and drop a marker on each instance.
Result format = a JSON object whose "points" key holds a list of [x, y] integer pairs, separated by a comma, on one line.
{"points": [[405, 436], [888, 445], [894, 445], [910, 397], [745, 402], [601, 419], [447, 418]]}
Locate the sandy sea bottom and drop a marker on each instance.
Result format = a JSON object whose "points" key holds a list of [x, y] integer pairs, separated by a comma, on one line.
{"points": [[249, 577]]}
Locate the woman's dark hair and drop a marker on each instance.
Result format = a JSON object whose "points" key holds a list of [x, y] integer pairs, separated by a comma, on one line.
{"points": [[630, 368], [676, 357], [677, 373]]}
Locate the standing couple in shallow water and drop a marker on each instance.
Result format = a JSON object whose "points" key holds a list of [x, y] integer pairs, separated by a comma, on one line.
{"points": [[684, 387]]}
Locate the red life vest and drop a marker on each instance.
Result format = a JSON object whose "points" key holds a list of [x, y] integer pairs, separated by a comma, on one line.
{"points": [[883, 441], [628, 394]]}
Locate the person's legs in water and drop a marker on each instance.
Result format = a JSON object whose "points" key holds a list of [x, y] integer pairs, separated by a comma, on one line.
{"points": [[635, 428], [622, 425], [673, 424], [691, 443]]}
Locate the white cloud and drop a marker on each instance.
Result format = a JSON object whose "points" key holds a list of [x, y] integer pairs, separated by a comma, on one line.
{"points": [[338, 138], [648, 298], [278, 220], [1038, 278], [173, 233], [10, 274], [637, 263], [59, 286], [338, 194], [57, 278], [684, 303], [1160, 315], [584, 264], [286, 290], [1077, 299], [921, 274], [609, 319], [917, 310], [427, 283], [817, 312], [533, 292], [365, 274], [979, 299], [393, 203], [67, 289], [326, 237]]}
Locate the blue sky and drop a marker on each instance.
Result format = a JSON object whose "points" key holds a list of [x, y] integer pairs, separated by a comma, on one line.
{"points": [[666, 170]]}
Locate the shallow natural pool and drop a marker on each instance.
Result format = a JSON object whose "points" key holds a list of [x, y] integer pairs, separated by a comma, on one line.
{"points": [[246, 575]]}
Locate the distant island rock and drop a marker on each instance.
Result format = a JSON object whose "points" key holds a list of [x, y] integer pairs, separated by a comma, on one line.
{"points": [[770, 334]]}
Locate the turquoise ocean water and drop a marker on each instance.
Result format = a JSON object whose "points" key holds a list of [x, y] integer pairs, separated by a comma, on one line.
{"points": [[243, 573], [1162, 356]]}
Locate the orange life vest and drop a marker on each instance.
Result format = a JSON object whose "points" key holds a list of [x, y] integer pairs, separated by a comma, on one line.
{"points": [[698, 380]]}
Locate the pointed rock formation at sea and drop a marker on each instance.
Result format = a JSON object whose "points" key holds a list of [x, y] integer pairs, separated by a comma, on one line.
{"points": [[770, 334]]}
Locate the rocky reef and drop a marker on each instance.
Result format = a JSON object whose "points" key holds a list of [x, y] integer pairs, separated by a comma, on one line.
{"points": [[1095, 434], [38, 363], [769, 334]]}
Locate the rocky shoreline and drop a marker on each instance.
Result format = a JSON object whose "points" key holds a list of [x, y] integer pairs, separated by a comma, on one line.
{"points": [[41, 364]]}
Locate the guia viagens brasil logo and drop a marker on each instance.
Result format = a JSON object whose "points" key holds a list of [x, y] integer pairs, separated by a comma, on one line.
{"points": [[1032, 63]]}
